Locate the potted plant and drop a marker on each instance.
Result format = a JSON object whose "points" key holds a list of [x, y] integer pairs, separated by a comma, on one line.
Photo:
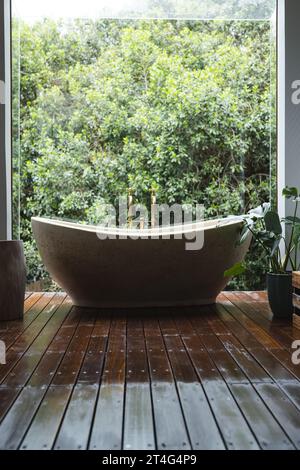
{"points": [[12, 280], [281, 251]]}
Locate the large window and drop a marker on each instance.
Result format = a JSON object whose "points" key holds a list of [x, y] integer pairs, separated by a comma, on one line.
{"points": [[173, 95]]}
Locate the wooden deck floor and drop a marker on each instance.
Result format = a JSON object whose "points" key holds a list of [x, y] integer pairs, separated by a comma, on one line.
{"points": [[204, 378]]}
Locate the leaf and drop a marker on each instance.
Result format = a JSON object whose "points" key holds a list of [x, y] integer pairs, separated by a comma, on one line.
{"points": [[260, 211], [290, 192], [245, 232], [296, 237], [235, 270], [275, 247], [272, 222], [293, 219]]}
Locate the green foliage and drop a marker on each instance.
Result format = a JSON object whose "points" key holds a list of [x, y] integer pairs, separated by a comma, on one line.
{"points": [[235, 270], [266, 228], [273, 223], [290, 192], [182, 106]]}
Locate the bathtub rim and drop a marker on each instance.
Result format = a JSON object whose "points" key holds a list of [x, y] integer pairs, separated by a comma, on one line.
{"points": [[179, 229]]}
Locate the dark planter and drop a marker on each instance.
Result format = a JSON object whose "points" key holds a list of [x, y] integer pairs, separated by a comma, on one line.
{"points": [[280, 294], [12, 280]]}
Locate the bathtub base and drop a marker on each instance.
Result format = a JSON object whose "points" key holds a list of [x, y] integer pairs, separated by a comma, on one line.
{"points": [[150, 304]]}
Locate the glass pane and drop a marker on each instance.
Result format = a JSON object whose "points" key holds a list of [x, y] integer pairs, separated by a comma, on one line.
{"points": [[16, 109], [111, 95]]}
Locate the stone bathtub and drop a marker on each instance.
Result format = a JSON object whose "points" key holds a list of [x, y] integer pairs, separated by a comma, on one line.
{"points": [[101, 268]]}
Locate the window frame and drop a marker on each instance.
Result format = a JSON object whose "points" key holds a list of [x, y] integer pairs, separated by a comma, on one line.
{"points": [[5, 122]]}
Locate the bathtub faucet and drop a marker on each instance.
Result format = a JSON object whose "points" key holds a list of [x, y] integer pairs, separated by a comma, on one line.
{"points": [[153, 212], [130, 208]]}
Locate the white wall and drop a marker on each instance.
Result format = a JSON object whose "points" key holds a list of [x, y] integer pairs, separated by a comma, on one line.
{"points": [[288, 98]]}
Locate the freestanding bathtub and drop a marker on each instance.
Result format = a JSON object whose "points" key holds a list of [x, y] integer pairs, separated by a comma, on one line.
{"points": [[141, 272]]}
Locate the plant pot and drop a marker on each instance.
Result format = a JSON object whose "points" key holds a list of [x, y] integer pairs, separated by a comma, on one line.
{"points": [[12, 280], [280, 294]]}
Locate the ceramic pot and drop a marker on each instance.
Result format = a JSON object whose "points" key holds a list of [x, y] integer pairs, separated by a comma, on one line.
{"points": [[280, 294]]}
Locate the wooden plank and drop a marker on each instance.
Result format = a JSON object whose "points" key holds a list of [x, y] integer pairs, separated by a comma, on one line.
{"points": [[240, 326], [251, 368], [285, 358], [38, 338], [134, 327], [226, 365], [261, 313], [296, 279], [266, 429], [151, 327], [201, 326], [43, 372], [138, 417], [266, 311], [32, 318], [218, 326], [256, 296], [31, 359], [232, 424], [107, 428], [283, 409], [262, 326], [234, 428], [296, 300], [65, 333], [292, 390], [37, 315], [198, 370], [272, 366], [171, 432], [46, 425], [53, 356], [75, 428], [203, 430], [41, 434], [184, 325], [239, 330], [7, 397], [228, 368], [268, 360], [16, 421], [92, 366], [257, 312], [296, 321], [102, 324], [30, 301], [276, 362], [29, 398], [259, 333], [167, 325], [291, 331], [71, 364], [202, 362], [10, 331]]}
